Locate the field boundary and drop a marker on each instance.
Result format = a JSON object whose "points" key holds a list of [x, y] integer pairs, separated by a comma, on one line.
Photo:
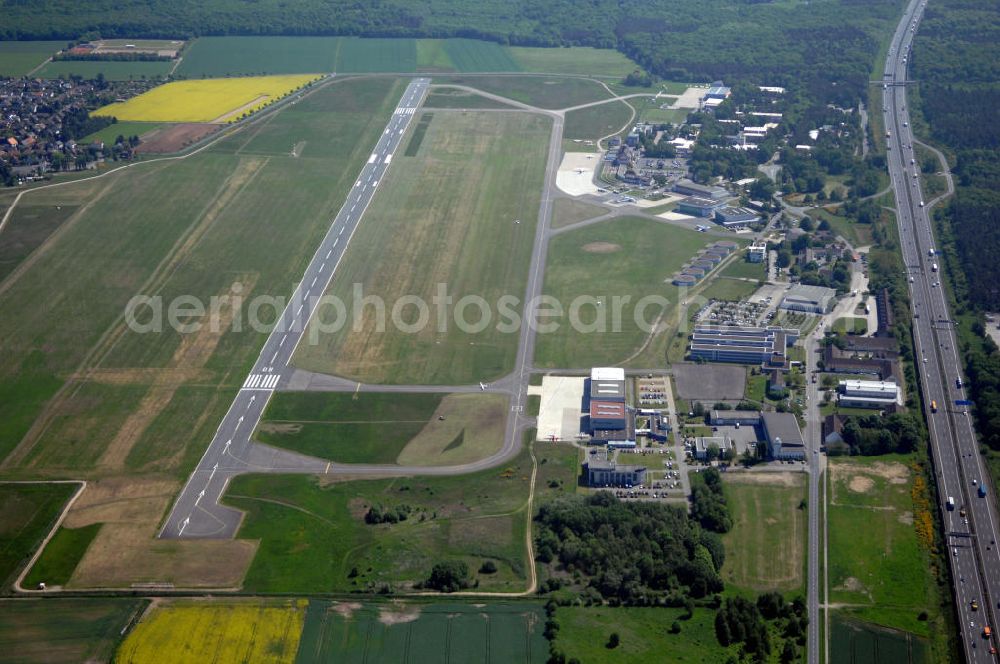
{"points": [[55, 527]]}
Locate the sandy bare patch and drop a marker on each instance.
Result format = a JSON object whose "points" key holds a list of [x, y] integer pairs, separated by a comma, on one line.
{"points": [[143, 375], [280, 427], [345, 609], [906, 518], [601, 247], [786, 479], [174, 137], [403, 615], [861, 484], [853, 585]]}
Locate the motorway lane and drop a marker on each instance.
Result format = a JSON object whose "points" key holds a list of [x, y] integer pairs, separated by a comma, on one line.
{"points": [[971, 540], [197, 513]]}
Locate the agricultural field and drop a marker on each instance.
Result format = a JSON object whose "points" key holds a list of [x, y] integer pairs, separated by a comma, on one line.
{"points": [[313, 535], [627, 256], [583, 61], [852, 641], [63, 630], [765, 550], [61, 556], [471, 55], [471, 186], [544, 92], [209, 100], [17, 58], [126, 129], [27, 514], [352, 633], [27, 229], [411, 429], [112, 70], [213, 57], [644, 632], [217, 631], [873, 543], [597, 122]]}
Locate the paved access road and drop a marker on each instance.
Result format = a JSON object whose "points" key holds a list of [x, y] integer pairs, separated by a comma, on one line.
{"points": [[959, 472], [197, 512]]}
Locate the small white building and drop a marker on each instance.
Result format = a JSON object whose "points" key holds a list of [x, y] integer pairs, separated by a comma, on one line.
{"points": [[868, 394]]}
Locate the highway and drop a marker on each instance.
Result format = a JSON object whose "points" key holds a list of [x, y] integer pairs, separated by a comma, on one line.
{"points": [[197, 512], [971, 525]]}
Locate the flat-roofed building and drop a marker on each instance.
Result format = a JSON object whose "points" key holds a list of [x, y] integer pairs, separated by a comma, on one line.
{"points": [[607, 390], [757, 252], [703, 443], [868, 393], [730, 418], [810, 299], [699, 207], [605, 472], [609, 415], [747, 345], [736, 217], [690, 188], [784, 438]]}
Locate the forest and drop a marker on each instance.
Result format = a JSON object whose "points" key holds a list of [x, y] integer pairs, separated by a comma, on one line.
{"points": [[787, 42]]}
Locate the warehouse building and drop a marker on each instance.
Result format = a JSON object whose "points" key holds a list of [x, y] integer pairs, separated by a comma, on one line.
{"points": [[810, 299], [732, 418], [783, 436], [868, 394], [686, 187], [609, 415], [699, 207], [747, 345], [605, 472]]}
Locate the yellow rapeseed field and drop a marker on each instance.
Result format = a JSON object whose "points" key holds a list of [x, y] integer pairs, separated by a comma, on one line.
{"points": [[218, 631], [206, 100]]}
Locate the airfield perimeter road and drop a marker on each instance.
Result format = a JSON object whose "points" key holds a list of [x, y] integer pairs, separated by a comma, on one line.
{"points": [[197, 512], [959, 472]]}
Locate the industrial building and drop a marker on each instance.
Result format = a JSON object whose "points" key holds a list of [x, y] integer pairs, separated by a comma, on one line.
{"points": [[607, 384], [699, 207], [605, 472], [730, 418], [607, 415], [783, 436], [810, 299], [701, 445], [735, 218], [747, 345], [610, 420], [868, 393], [686, 187]]}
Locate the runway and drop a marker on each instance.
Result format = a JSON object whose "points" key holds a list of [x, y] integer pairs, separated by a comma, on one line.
{"points": [[197, 512]]}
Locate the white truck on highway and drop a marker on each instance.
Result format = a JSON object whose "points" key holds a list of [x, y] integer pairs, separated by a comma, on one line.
{"points": [[933, 267], [951, 504]]}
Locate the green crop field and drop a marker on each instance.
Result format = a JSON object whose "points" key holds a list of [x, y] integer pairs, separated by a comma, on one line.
{"points": [[541, 91], [209, 57], [17, 58], [416, 429], [597, 121], [765, 550], [644, 633], [27, 514], [474, 55], [423, 633], [29, 226], [61, 556], [189, 227], [852, 641], [313, 536], [112, 70], [376, 55], [57, 630], [437, 222], [574, 60], [628, 256], [871, 513], [126, 129]]}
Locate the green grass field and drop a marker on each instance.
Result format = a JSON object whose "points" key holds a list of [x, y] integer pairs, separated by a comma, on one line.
{"points": [[438, 219], [567, 211], [415, 429], [852, 641], [876, 562], [624, 257], [743, 269], [57, 630], [112, 70], [126, 129], [597, 121], [314, 537], [28, 228], [573, 60], [61, 556], [190, 227], [27, 514], [475, 55], [857, 234], [849, 325], [644, 633], [17, 58], [423, 633], [541, 91], [730, 290], [356, 55], [765, 550], [452, 98]]}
